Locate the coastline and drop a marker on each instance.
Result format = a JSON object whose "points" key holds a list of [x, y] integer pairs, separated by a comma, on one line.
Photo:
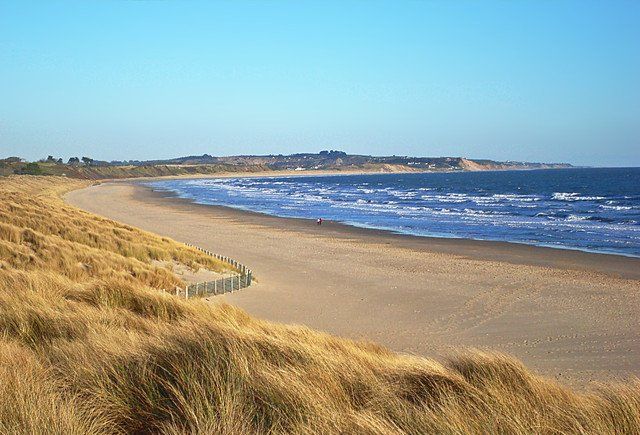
{"points": [[266, 174], [495, 250], [571, 315], [329, 173], [323, 173]]}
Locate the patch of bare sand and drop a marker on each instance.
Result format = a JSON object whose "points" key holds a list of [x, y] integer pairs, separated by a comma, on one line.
{"points": [[189, 275]]}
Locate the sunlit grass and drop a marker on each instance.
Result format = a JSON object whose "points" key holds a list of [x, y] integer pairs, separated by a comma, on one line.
{"points": [[89, 343]]}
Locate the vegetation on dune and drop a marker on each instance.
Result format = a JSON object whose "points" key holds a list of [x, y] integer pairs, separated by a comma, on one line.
{"points": [[90, 344], [99, 172]]}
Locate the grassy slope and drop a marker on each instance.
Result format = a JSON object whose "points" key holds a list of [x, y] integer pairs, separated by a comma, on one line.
{"points": [[119, 172], [89, 344], [113, 172]]}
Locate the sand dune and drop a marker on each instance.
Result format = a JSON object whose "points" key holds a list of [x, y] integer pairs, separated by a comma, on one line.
{"points": [[569, 315]]}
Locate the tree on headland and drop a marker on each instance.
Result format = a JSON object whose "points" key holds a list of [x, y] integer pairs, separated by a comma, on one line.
{"points": [[87, 160], [13, 159], [73, 161], [51, 159]]}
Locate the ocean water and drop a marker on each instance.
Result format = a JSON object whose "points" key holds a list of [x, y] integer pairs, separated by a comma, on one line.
{"points": [[587, 209]]}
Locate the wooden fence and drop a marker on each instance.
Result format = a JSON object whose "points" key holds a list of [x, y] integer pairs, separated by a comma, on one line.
{"points": [[219, 286]]}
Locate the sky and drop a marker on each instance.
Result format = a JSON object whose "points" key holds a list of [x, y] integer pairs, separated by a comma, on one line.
{"points": [[544, 80]]}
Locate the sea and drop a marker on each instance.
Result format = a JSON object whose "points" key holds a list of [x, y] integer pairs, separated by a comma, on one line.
{"points": [[589, 209]]}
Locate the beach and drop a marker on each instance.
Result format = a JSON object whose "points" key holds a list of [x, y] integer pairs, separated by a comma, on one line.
{"points": [[569, 315]]}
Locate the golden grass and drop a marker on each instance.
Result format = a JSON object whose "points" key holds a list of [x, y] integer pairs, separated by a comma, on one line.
{"points": [[89, 344]]}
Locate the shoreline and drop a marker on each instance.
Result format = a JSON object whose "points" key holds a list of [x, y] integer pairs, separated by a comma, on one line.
{"points": [[527, 252], [170, 194], [265, 174], [324, 172], [569, 315]]}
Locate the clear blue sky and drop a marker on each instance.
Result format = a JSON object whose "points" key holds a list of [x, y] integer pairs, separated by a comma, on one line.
{"points": [[540, 80]]}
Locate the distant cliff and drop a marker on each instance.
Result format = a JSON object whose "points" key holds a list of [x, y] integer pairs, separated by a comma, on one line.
{"points": [[491, 165], [208, 164], [341, 160]]}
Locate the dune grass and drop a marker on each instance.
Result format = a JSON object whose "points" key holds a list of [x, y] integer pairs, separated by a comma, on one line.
{"points": [[89, 343]]}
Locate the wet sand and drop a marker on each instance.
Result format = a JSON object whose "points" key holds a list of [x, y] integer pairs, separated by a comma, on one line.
{"points": [[570, 315]]}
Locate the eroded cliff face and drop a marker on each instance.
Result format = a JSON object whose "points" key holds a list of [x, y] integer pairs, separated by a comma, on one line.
{"points": [[470, 165], [489, 165]]}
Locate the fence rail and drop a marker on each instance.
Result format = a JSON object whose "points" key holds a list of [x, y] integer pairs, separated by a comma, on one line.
{"points": [[219, 286]]}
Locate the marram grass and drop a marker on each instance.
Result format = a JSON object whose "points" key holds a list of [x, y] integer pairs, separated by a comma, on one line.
{"points": [[89, 343]]}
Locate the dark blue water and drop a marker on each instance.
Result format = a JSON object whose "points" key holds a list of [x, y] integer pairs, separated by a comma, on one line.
{"points": [[587, 209]]}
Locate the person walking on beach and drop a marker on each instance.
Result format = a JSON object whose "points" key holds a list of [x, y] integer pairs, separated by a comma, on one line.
{"points": [[319, 221]]}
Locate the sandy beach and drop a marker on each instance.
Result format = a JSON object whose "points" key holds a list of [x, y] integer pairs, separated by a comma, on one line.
{"points": [[570, 315]]}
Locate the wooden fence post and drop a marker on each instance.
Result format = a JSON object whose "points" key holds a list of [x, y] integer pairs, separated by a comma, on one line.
{"points": [[244, 277]]}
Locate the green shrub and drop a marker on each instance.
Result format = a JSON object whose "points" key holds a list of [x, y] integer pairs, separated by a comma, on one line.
{"points": [[31, 168]]}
